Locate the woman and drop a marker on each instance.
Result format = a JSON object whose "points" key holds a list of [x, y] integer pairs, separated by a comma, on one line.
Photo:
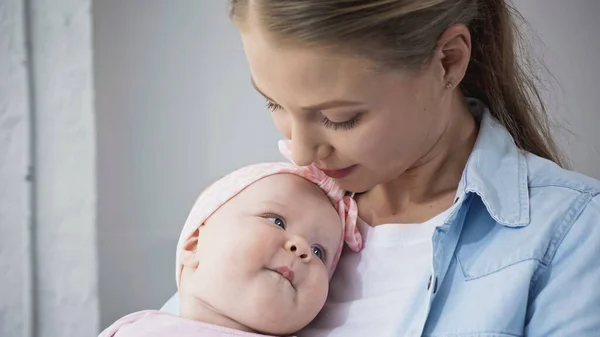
{"points": [[471, 226]]}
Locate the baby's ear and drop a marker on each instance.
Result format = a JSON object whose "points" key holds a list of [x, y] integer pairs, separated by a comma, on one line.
{"points": [[188, 256]]}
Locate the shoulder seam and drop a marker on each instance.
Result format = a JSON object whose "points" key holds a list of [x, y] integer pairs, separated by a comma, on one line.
{"points": [[567, 223], [587, 189], [581, 204]]}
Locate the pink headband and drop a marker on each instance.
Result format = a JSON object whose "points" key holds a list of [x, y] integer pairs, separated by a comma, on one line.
{"points": [[229, 186]]}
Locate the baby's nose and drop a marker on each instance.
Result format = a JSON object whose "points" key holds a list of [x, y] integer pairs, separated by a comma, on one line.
{"points": [[299, 247]]}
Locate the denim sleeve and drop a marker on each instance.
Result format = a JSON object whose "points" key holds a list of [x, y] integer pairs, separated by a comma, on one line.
{"points": [[565, 293]]}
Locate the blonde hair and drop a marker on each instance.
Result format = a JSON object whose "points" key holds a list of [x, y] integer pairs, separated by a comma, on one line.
{"points": [[404, 34]]}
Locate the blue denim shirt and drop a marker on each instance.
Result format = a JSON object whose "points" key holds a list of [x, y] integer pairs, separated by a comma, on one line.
{"points": [[520, 256]]}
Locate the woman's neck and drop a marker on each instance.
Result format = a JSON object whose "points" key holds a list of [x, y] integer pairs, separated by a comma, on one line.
{"points": [[197, 310], [429, 186]]}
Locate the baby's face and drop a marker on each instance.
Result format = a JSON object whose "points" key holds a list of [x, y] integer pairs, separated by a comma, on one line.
{"points": [[265, 257]]}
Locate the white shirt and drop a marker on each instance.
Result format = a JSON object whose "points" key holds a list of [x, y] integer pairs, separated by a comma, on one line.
{"points": [[393, 300]]}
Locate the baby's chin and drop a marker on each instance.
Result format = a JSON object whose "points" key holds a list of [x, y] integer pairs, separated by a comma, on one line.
{"points": [[278, 325], [266, 303], [281, 312]]}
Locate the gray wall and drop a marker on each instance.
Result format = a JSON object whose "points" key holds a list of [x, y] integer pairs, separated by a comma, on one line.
{"points": [[568, 40], [175, 110]]}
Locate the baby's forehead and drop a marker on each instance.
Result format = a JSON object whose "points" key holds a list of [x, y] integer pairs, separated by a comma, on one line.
{"points": [[287, 186], [298, 197]]}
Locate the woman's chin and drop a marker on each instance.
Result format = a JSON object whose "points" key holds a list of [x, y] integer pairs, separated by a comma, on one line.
{"points": [[354, 185]]}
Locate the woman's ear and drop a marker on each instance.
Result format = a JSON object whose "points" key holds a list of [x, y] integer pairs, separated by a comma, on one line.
{"points": [[188, 256], [454, 47]]}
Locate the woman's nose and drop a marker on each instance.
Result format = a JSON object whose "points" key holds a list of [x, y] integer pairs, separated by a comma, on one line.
{"points": [[306, 151], [299, 247]]}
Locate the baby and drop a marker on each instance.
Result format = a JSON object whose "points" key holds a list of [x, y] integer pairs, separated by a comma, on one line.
{"points": [[255, 255]]}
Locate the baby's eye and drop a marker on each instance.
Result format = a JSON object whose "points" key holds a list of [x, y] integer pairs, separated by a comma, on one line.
{"points": [[319, 252], [277, 221]]}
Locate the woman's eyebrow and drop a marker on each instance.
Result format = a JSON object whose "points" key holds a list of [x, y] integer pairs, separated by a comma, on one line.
{"points": [[335, 103], [260, 91]]}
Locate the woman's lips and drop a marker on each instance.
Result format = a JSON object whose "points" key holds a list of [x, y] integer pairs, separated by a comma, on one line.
{"points": [[286, 272], [339, 174]]}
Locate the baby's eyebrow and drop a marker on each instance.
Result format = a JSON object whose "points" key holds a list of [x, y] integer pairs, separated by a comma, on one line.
{"points": [[272, 204]]}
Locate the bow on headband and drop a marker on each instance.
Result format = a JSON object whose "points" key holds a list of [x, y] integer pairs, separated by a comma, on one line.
{"points": [[232, 184], [346, 206]]}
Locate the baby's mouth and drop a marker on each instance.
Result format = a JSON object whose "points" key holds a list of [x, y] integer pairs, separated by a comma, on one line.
{"points": [[286, 273]]}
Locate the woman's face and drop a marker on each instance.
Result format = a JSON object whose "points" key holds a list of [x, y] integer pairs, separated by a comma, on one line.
{"points": [[360, 126]]}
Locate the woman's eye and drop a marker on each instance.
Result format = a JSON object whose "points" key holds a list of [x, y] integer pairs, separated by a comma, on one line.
{"points": [[347, 125], [279, 222], [273, 106], [318, 251]]}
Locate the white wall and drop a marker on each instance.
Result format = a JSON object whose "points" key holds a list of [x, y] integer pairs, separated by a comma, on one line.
{"points": [[47, 171], [64, 152], [176, 110], [15, 197]]}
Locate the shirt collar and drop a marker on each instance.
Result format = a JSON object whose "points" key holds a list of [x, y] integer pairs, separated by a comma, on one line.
{"points": [[497, 171]]}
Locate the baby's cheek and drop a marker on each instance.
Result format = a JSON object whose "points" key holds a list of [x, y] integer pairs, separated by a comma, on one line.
{"points": [[251, 247], [317, 289]]}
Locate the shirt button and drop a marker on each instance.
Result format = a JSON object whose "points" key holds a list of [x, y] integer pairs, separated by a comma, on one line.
{"points": [[434, 284]]}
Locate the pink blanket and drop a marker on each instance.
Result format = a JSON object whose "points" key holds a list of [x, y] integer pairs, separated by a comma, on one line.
{"points": [[151, 323]]}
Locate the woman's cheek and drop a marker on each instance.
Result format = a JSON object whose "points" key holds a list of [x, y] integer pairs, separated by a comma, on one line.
{"points": [[282, 122], [361, 145]]}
